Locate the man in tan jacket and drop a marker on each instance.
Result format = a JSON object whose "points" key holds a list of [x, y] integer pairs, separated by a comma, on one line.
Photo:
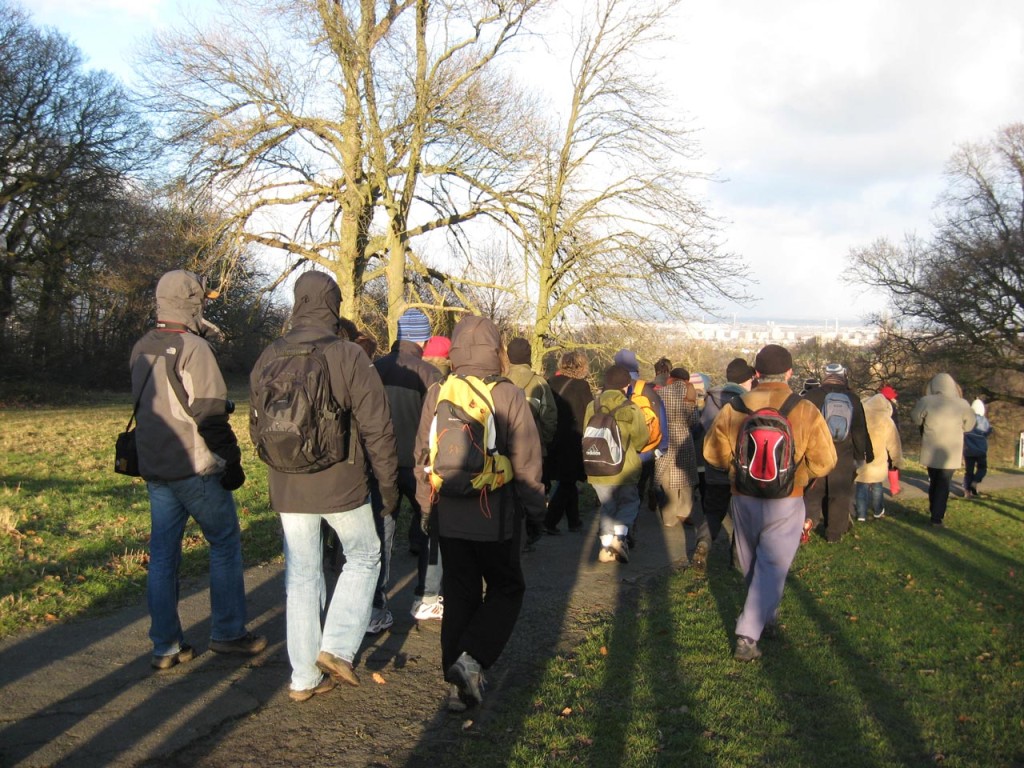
{"points": [[768, 530]]}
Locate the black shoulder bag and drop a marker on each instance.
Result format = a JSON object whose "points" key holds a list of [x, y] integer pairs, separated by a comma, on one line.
{"points": [[126, 453]]}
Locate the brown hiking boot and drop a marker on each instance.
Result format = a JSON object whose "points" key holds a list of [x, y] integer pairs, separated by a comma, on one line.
{"points": [[338, 668]]}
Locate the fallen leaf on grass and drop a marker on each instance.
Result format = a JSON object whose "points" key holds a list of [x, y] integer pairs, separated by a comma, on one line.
{"points": [[467, 724], [565, 712], [379, 678], [604, 650], [50, 617]]}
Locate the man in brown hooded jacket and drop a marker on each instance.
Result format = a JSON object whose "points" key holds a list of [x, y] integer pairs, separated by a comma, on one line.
{"points": [[482, 581]]}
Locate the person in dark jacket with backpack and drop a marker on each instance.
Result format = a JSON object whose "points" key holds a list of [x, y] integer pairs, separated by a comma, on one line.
{"points": [[739, 375], [191, 462], [338, 494], [564, 460], [407, 377], [482, 581], [832, 498], [768, 529]]}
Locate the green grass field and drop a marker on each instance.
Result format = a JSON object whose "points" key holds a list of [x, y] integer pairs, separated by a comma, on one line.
{"points": [[902, 645]]}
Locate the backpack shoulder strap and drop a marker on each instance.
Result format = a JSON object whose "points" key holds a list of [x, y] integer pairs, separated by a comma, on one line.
{"points": [[791, 402], [740, 405]]}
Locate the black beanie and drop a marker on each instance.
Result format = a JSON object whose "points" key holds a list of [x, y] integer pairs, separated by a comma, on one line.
{"points": [[738, 371], [773, 360], [616, 377], [518, 351]]}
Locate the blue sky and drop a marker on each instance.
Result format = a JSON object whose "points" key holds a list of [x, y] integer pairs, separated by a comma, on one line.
{"points": [[828, 124]]}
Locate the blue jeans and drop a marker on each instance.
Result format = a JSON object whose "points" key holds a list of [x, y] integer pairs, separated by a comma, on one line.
{"points": [[349, 611], [620, 505], [170, 505], [869, 498]]}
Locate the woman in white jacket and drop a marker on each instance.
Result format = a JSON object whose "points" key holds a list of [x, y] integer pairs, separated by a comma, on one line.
{"points": [[943, 416], [885, 440]]}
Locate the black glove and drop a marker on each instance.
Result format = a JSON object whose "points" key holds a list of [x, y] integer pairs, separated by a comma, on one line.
{"points": [[233, 477], [389, 500], [425, 523]]}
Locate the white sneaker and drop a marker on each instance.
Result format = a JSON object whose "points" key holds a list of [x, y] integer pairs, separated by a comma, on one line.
{"points": [[423, 611], [879, 514], [606, 555], [380, 622]]}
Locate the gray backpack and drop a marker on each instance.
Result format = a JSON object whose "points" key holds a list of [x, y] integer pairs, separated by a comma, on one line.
{"points": [[838, 412]]}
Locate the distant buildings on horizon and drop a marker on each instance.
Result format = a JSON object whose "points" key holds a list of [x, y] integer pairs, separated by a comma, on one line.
{"points": [[755, 333]]}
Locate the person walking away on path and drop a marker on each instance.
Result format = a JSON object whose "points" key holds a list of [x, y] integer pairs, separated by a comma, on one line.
{"points": [[976, 450], [675, 472], [768, 529], [888, 452], [564, 460], [739, 375], [319, 655], [831, 498], [191, 462], [943, 417], [406, 378], [644, 395], [894, 472], [482, 582], [618, 494]]}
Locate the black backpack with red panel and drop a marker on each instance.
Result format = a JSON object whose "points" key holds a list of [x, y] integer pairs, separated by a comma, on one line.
{"points": [[764, 453]]}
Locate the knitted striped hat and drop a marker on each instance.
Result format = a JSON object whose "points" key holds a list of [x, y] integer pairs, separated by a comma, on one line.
{"points": [[413, 325]]}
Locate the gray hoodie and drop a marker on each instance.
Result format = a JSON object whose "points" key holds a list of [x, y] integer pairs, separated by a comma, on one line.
{"points": [[943, 416], [183, 427]]}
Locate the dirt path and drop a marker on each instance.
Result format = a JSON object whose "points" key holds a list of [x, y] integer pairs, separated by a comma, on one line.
{"points": [[83, 694]]}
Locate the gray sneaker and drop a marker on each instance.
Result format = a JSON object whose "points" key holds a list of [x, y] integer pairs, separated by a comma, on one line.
{"points": [[746, 649], [467, 676]]}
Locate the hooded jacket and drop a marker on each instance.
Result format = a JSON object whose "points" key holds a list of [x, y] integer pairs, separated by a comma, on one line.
{"points": [[814, 451], [182, 418], [356, 386], [976, 441], [885, 440], [490, 516], [943, 416]]}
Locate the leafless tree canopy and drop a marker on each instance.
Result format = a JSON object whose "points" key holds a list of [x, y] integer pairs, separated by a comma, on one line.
{"points": [[959, 295]]}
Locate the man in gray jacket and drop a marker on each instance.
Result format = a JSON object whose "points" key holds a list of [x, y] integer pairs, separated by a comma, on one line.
{"points": [[190, 460], [338, 494]]}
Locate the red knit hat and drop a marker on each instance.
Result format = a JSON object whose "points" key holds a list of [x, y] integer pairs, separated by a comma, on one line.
{"points": [[437, 346], [889, 392]]}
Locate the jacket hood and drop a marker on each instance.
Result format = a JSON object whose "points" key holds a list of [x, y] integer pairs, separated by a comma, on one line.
{"points": [[179, 299], [943, 384], [879, 404], [978, 407], [475, 347], [317, 301]]}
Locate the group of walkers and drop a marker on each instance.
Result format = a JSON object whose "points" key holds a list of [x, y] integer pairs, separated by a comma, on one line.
{"points": [[488, 456]]}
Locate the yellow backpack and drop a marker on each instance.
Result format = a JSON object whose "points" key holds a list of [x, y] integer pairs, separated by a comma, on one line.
{"points": [[463, 458], [643, 402]]}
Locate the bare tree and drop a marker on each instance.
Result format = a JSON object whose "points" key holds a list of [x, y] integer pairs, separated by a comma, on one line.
{"points": [[611, 228], [959, 296], [341, 130]]}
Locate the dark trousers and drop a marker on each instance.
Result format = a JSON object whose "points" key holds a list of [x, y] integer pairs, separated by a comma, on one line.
{"points": [[939, 481], [474, 623], [831, 497], [565, 500], [975, 469], [716, 506]]}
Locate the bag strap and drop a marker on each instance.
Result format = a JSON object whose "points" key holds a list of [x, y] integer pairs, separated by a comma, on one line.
{"points": [[138, 400]]}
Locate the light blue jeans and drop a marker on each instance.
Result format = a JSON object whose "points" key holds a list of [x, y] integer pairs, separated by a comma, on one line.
{"points": [[620, 505], [170, 505], [349, 611]]}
